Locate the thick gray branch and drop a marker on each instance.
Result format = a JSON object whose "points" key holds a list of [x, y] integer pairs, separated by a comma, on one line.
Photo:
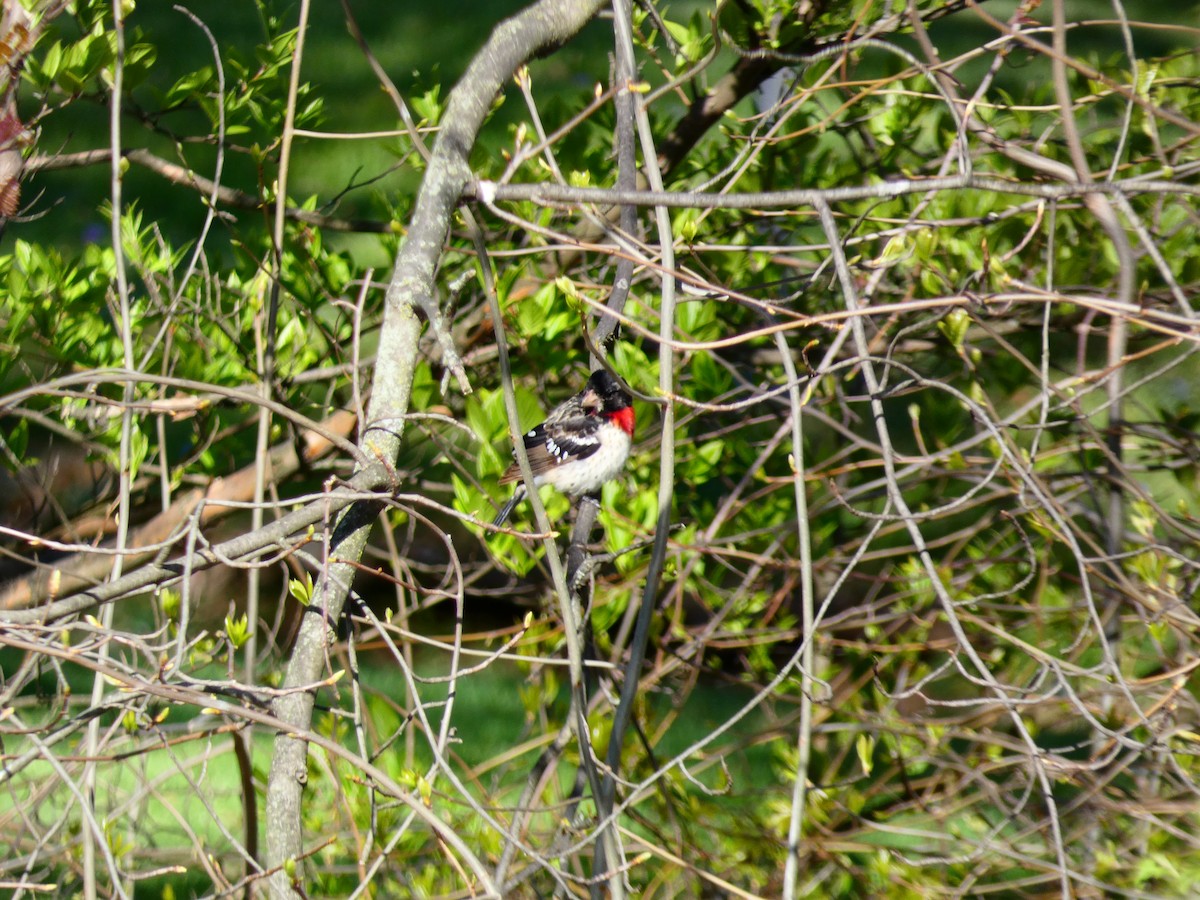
{"points": [[514, 41]]}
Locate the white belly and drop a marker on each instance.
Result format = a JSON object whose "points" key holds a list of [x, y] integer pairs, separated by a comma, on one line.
{"points": [[587, 475]]}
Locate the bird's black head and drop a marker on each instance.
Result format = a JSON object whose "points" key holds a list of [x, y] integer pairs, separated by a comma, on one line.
{"points": [[605, 394], [605, 397], [608, 391]]}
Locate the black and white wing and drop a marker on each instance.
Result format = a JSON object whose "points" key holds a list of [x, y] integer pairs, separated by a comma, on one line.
{"points": [[555, 443]]}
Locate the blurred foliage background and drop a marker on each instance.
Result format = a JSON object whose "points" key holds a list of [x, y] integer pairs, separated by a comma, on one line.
{"points": [[996, 691]]}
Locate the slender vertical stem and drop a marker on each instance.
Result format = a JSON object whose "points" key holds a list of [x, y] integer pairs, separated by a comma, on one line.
{"points": [[804, 737], [666, 475], [265, 346], [266, 342], [125, 475], [571, 616], [1100, 206]]}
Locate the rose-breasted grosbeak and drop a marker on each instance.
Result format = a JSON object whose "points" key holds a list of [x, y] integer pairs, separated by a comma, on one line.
{"points": [[581, 445]]}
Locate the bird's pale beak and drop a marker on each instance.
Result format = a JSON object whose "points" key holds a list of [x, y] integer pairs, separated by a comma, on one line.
{"points": [[592, 402]]}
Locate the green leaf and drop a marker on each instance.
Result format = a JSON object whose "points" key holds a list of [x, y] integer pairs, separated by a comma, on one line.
{"points": [[17, 440], [954, 326], [139, 446], [864, 746], [428, 106], [170, 603], [237, 630], [680, 33], [302, 590]]}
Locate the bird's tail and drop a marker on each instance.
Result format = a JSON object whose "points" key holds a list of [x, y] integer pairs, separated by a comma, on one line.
{"points": [[506, 510]]}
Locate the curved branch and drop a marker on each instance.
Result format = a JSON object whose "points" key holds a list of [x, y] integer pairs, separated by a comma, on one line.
{"points": [[541, 26]]}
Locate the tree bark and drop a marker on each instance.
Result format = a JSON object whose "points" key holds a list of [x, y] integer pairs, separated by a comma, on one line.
{"points": [[513, 42]]}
